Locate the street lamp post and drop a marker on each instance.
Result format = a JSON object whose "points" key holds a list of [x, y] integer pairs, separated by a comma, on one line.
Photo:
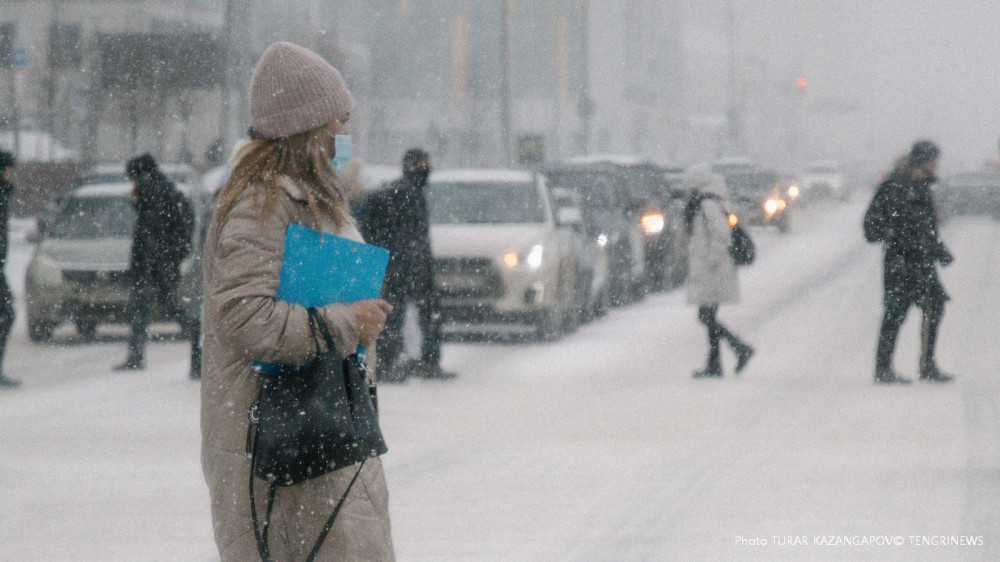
{"points": [[505, 87]]}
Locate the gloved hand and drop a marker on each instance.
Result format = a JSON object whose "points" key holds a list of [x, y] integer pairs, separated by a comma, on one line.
{"points": [[945, 258]]}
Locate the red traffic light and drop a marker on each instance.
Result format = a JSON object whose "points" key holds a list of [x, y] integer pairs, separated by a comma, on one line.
{"points": [[801, 82]]}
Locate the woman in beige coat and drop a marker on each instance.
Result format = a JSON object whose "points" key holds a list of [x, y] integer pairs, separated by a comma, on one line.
{"points": [[298, 103]]}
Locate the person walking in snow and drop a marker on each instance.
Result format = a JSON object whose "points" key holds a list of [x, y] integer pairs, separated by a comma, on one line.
{"points": [[902, 217], [712, 276], [6, 297], [395, 218], [161, 240], [284, 175]]}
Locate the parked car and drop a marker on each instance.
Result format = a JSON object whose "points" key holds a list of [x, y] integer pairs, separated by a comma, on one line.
{"points": [[970, 193], [78, 271], [593, 282], [613, 219], [503, 252], [656, 199], [823, 180], [757, 197]]}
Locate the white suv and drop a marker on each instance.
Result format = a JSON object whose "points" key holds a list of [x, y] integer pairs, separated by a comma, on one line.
{"points": [[503, 251]]}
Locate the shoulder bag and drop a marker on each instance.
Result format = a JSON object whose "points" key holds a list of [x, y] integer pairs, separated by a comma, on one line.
{"points": [[310, 420]]}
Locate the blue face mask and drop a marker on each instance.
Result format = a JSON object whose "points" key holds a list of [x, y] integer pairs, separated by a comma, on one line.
{"points": [[342, 153]]}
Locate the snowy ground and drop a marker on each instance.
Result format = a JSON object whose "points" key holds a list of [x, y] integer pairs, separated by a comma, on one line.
{"points": [[597, 447]]}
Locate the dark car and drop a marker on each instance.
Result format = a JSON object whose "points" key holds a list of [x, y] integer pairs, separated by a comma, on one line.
{"points": [[757, 197], [611, 218], [970, 193]]}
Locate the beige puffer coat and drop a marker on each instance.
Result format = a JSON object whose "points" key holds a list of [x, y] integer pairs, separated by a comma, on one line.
{"points": [[243, 323]]}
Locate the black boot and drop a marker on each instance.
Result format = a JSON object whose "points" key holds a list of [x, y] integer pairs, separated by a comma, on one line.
{"points": [[133, 363], [743, 354], [195, 368], [7, 382], [888, 376], [932, 373]]}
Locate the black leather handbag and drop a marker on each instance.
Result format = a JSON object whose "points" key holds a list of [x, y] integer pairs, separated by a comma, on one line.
{"points": [[310, 420], [741, 247]]}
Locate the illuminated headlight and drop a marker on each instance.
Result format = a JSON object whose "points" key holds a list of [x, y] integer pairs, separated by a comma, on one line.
{"points": [[652, 223], [532, 259], [793, 192], [772, 206], [602, 240]]}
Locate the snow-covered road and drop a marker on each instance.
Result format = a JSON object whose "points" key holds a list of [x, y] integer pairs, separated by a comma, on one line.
{"points": [[597, 447]]}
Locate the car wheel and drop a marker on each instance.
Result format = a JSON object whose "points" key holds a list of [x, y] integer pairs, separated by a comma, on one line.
{"points": [[87, 328], [40, 331]]}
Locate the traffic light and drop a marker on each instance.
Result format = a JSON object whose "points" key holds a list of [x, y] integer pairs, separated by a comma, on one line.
{"points": [[801, 83]]}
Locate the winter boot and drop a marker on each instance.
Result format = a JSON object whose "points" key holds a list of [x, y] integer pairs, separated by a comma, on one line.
{"points": [[435, 372], [932, 373], [888, 376], [7, 382], [133, 363], [743, 354], [195, 373]]}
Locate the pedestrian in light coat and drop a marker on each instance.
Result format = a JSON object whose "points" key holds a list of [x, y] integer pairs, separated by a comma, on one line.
{"points": [[712, 276], [6, 297], [284, 175]]}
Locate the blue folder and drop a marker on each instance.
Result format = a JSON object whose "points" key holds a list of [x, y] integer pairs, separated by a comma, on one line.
{"points": [[320, 268]]}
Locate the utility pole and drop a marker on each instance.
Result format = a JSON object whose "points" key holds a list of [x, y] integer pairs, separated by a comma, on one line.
{"points": [[586, 104], [735, 114], [505, 87]]}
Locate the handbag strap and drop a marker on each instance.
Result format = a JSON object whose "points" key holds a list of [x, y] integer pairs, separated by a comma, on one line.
{"points": [[318, 324], [260, 530]]}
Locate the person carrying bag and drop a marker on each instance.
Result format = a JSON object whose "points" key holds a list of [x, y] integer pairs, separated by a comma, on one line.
{"points": [[323, 508]]}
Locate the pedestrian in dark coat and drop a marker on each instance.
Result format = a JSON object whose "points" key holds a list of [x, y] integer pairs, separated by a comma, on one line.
{"points": [[160, 242], [903, 218], [712, 277], [395, 218], [6, 297]]}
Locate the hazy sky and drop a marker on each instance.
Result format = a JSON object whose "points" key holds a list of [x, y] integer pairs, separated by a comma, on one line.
{"points": [[918, 68]]}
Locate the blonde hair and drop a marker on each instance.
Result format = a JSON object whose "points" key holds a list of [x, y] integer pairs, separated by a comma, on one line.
{"points": [[303, 158]]}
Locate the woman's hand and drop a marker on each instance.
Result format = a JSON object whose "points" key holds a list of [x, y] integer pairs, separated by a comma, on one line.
{"points": [[370, 315]]}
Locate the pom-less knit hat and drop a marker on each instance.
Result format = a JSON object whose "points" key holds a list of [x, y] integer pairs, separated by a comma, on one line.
{"points": [[923, 151], [293, 91]]}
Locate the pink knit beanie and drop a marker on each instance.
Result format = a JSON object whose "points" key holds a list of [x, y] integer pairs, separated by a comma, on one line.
{"points": [[293, 91]]}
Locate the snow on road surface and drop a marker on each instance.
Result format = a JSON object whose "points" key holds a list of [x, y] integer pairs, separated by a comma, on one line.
{"points": [[597, 447]]}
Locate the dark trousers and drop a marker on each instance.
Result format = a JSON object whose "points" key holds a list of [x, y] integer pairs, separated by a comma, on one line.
{"points": [[716, 333], [6, 316], [390, 344], [892, 321], [147, 292]]}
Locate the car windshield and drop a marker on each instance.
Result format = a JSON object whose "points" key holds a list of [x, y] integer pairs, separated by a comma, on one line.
{"points": [[89, 218], [751, 184], [596, 189], [484, 203]]}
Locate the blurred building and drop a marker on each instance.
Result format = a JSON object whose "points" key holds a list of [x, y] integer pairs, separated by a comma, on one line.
{"points": [[466, 79]]}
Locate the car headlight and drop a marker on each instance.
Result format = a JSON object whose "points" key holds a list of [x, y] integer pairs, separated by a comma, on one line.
{"points": [[532, 259], [793, 192], [773, 205], [602, 240], [652, 223]]}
